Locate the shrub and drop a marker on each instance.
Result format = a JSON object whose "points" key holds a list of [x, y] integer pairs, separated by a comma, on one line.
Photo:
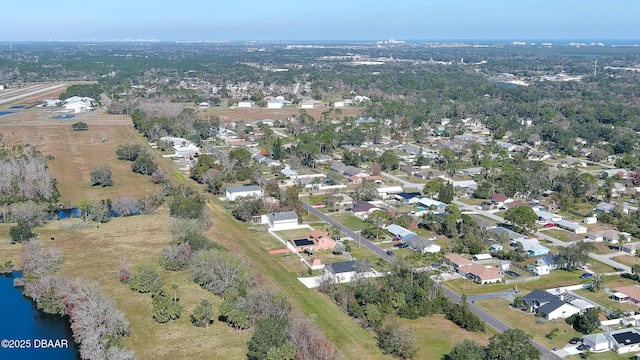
{"points": [[165, 308], [146, 279], [21, 232], [203, 315], [79, 126], [102, 176]]}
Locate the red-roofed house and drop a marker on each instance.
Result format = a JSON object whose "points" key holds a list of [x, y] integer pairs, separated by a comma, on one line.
{"points": [[500, 200], [317, 240]]}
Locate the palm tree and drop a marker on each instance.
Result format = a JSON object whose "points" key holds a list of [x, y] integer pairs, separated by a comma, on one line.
{"points": [[597, 282], [334, 231], [174, 287]]}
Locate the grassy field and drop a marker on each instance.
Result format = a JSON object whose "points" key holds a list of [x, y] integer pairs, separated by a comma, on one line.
{"points": [[562, 235], [351, 221], [353, 341], [501, 309], [77, 153], [555, 279], [627, 260]]}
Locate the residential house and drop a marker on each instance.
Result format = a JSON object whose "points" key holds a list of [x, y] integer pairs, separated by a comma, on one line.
{"points": [[245, 104], [533, 247], [481, 274], [437, 206], [629, 293], [342, 272], [457, 261], [399, 233], [545, 264], [282, 220], [388, 191], [510, 235], [548, 306], [345, 200], [605, 207], [473, 171], [609, 236], [482, 223], [631, 248], [482, 257], [363, 209], [538, 156], [420, 244], [570, 226], [235, 192], [500, 200], [310, 104], [625, 341], [597, 342], [317, 240], [464, 184], [546, 217], [408, 197]]}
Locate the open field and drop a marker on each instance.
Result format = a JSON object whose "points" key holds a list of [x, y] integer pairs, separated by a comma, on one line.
{"points": [[93, 253], [563, 235], [627, 260], [77, 153], [351, 221]]}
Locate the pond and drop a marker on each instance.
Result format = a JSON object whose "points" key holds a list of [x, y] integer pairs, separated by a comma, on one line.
{"points": [[42, 336]]}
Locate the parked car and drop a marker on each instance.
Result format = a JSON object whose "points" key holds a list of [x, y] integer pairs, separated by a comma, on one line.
{"points": [[403, 245], [575, 340], [586, 276], [389, 252], [583, 347], [549, 225]]}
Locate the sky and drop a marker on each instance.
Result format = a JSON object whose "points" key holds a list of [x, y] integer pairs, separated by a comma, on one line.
{"points": [[219, 20]]}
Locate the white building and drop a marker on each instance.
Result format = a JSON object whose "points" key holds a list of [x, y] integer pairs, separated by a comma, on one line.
{"points": [[310, 104], [571, 226], [285, 220], [245, 104], [342, 272], [235, 192]]}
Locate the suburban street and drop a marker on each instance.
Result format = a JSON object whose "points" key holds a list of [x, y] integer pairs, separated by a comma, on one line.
{"points": [[355, 236], [486, 317]]}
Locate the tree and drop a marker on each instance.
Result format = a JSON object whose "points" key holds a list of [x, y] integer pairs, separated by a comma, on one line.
{"points": [[79, 126], [574, 256], [445, 194], [585, 323], [389, 161], [217, 271], [164, 308], [397, 339], [144, 164], [102, 176], [270, 335], [129, 152], [512, 344], [467, 349], [146, 279], [21, 232], [338, 249], [522, 216], [203, 315], [176, 257], [596, 283], [433, 187]]}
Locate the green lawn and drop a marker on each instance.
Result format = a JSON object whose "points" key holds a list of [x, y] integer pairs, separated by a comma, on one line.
{"points": [[501, 309], [351, 221], [563, 235], [556, 278], [352, 340], [293, 234]]}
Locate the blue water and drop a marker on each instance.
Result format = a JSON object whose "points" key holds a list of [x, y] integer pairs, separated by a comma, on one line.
{"points": [[67, 213], [2, 113], [21, 320], [16, 107], [66, 116], [420, 208]]}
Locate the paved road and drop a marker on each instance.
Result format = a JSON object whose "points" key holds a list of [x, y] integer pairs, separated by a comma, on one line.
{"points": [[368, 244], [30, 93], [499, 325], [488, 318]]}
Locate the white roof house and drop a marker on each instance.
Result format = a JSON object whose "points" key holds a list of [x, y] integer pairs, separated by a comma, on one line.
{"points": [[547, 217], [245, 104], [235, 192], [310, 104], [384, 192], [571, 226]]}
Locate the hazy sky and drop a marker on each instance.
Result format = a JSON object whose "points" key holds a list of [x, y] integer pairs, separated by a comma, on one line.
{"points": [[319, 20]]}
